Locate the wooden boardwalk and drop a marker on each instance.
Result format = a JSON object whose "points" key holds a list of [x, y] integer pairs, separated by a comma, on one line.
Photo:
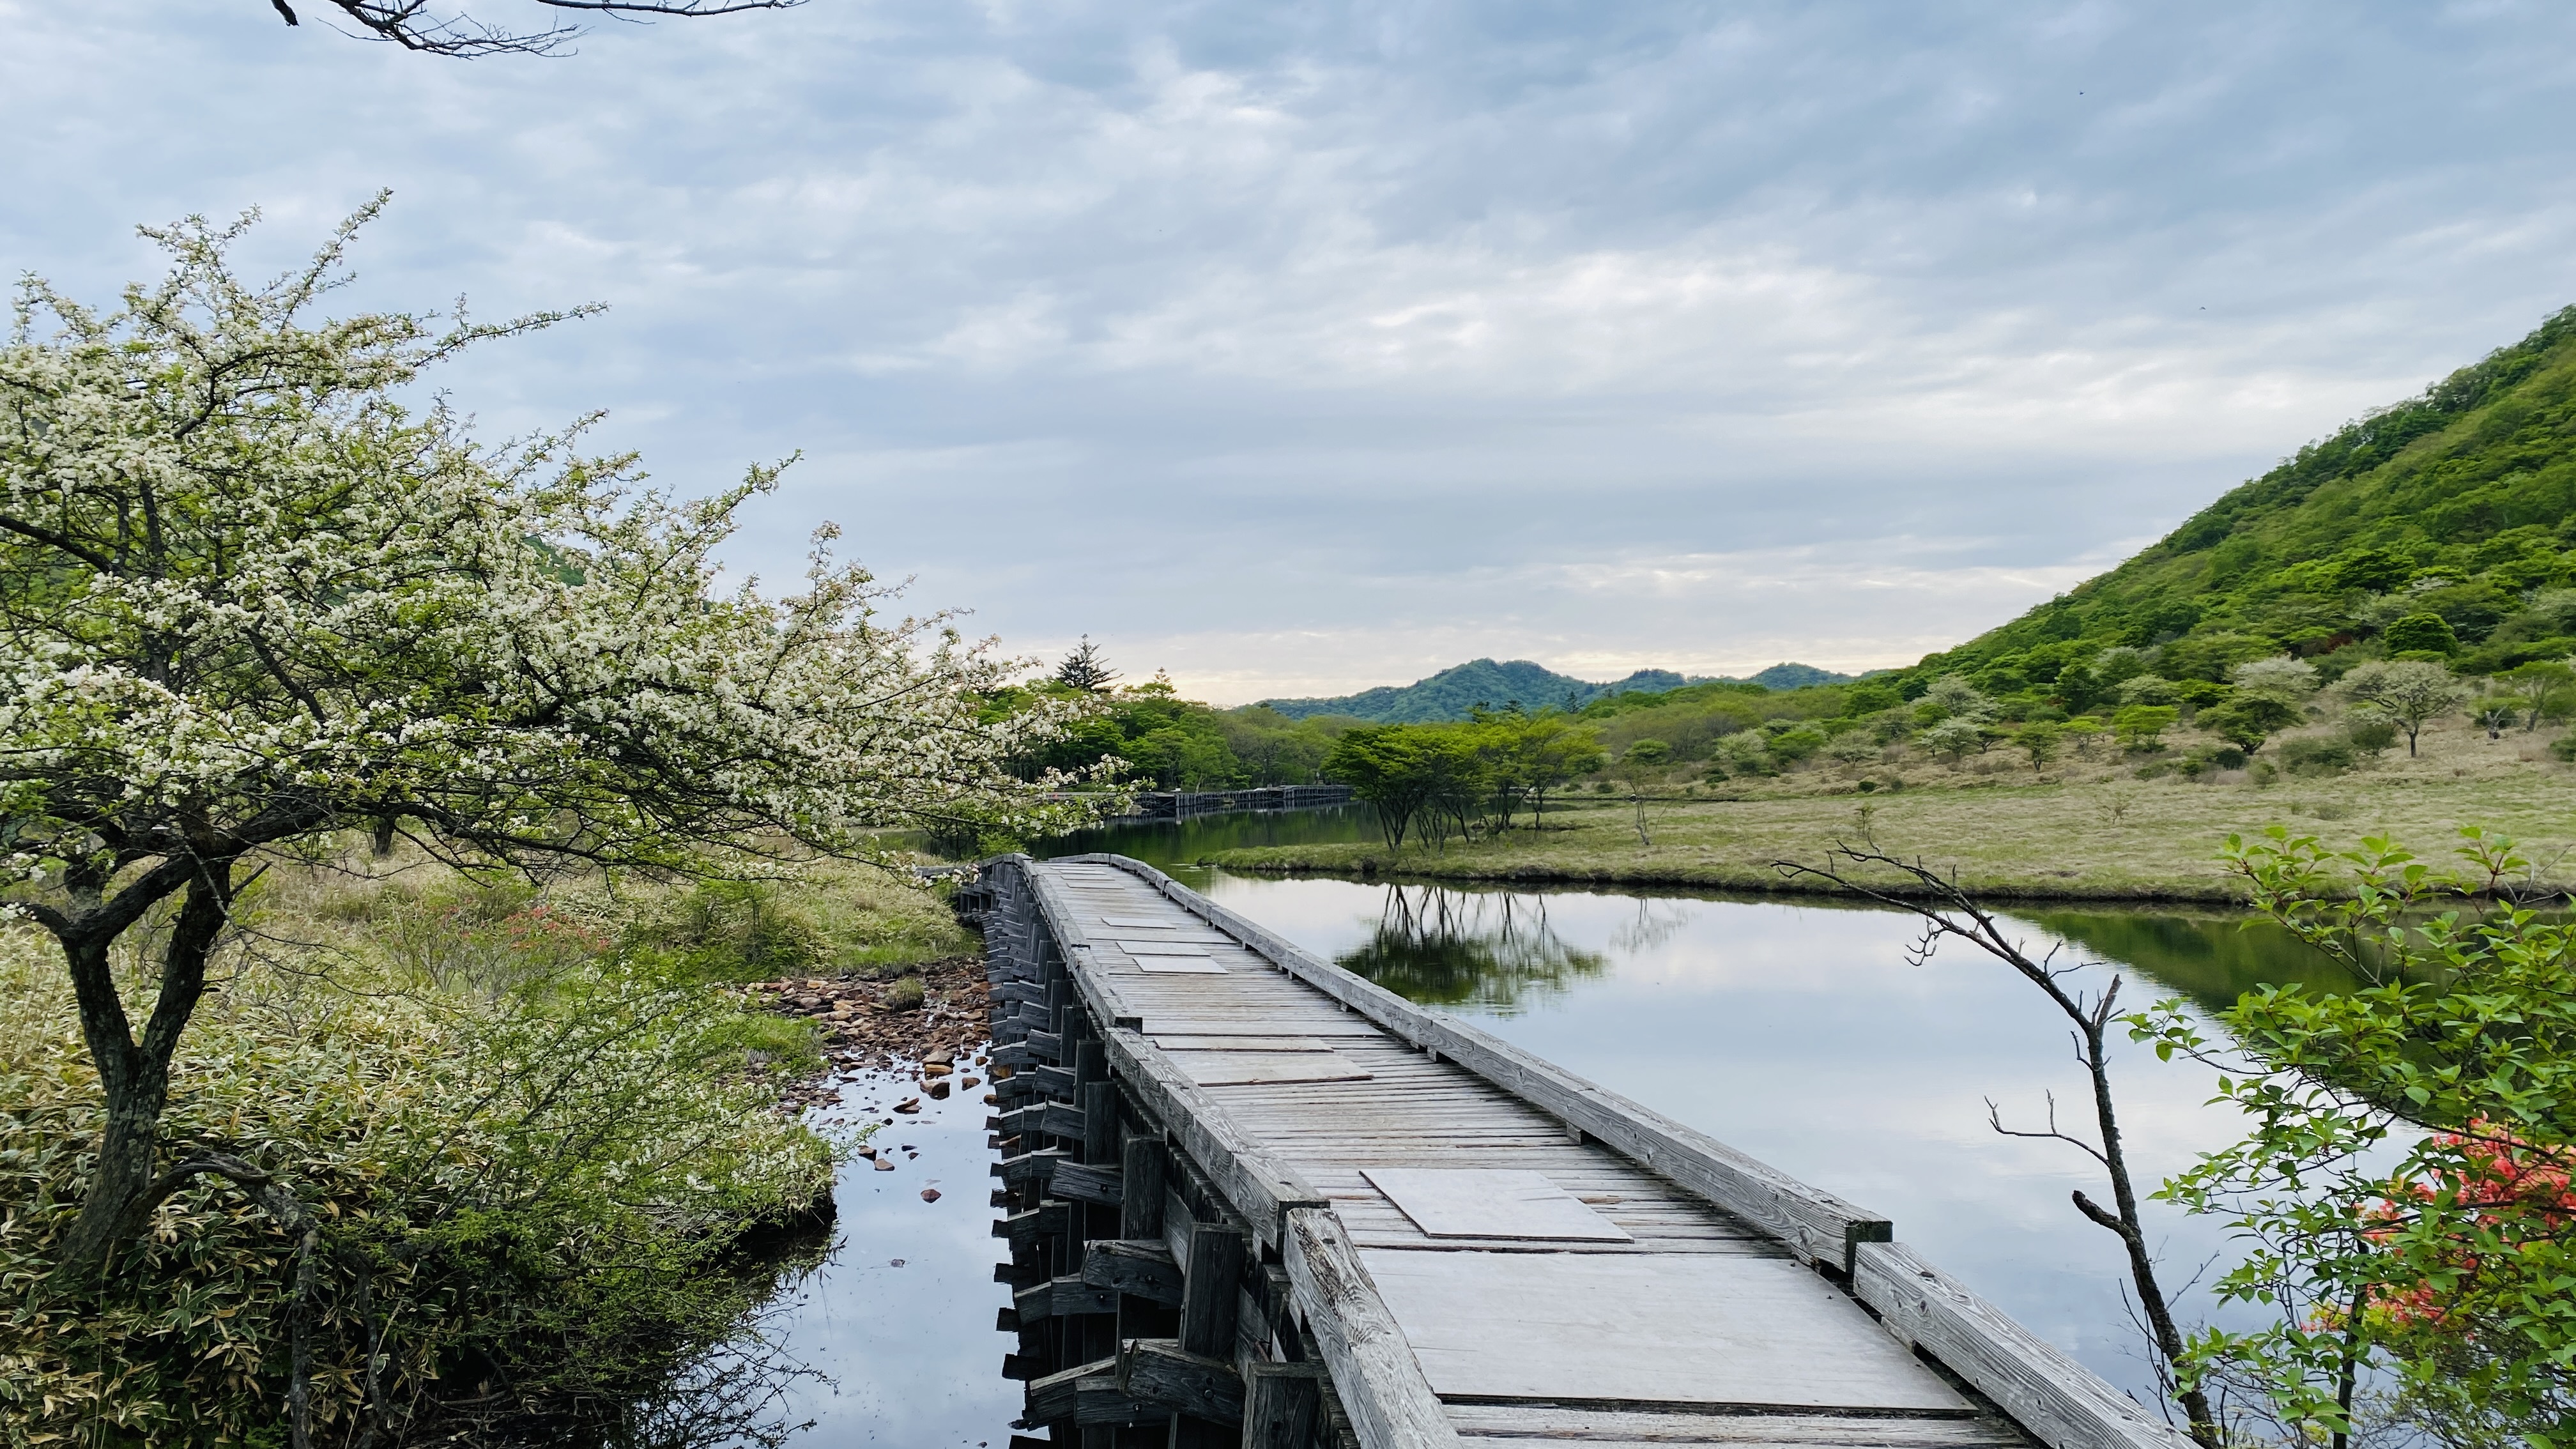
{"points": [[1253, 1199]]}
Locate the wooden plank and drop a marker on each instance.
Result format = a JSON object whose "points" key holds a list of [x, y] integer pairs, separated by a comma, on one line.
{"points": [[1140, 1205], [1171, 1043], [1705, 1330], [1140, 923], [1375, 1374], [1159, 1371], [1491, 1203], [1161, 948], [1209, 1280], [1520, 1426], [1282, 1403], [1058, 1297], [1228, 1069], [2057, 1399], [1179, 964], [1140, 1267], [1087, 1182]]}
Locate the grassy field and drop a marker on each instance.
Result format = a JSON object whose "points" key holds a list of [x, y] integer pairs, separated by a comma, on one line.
{"points": [[2080, 830]]}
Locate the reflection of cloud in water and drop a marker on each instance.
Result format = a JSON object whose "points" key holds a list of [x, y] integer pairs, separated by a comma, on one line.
{"points": [[1472, 948]]}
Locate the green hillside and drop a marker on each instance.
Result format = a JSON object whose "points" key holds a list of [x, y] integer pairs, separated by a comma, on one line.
{"points": [[1453, 692], [2439, 526]]}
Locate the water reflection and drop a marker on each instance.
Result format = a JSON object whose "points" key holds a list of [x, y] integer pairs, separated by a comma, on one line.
{"points": [[1485, 949], [1192, 841]]}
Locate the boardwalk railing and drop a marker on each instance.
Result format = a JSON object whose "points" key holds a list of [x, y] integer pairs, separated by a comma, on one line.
{"points": [[1171, 1269]]}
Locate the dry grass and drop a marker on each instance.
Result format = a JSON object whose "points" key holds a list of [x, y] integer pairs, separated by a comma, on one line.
{"points": [[2082, 829]]}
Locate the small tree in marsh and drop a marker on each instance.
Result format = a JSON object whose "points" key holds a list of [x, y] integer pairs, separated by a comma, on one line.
{"points": [[251, 600], [2540, 687], [1949, 913], [2406, 692]]}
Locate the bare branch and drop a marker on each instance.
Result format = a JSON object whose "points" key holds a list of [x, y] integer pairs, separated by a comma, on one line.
{"points": [[414, 26]]}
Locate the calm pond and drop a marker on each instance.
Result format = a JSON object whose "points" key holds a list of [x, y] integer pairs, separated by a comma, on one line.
{"points": [[1793, 1030]]}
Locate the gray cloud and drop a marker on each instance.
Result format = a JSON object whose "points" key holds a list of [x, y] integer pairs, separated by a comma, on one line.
{"points": [[1301, 348]]}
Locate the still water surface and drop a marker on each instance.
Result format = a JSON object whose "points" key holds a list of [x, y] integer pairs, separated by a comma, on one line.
{"points": [[1794, 1030]]}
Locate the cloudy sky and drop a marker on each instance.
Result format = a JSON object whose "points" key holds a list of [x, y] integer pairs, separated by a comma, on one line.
{"points": [[1298, 348]]}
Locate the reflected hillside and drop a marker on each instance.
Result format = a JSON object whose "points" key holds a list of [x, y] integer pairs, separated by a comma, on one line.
{"points": [[1492, 950], [2212, 958]]}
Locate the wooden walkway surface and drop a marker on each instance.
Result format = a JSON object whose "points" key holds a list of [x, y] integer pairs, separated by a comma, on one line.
{"points": [[1484, 1249]]}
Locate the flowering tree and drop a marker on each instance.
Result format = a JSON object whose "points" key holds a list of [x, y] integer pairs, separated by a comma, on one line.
{"points": [[251, 599], [2402, 1189]]}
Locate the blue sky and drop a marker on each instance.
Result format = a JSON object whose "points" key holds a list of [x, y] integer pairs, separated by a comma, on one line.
{"points": [[1301, 348]]}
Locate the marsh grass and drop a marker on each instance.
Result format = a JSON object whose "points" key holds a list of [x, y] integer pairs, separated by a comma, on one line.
{"points": [[2083, 829], [540, 1129]]}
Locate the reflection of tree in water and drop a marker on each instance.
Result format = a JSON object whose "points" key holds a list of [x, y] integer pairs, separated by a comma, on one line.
{"points": [[1469, 948]]}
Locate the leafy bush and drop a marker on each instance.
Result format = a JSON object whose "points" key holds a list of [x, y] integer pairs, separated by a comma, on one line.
{"points": [[2316, 755], [2563, 748], [2421, 632], [534, 1198], [1797, 744], [2371, 734]]}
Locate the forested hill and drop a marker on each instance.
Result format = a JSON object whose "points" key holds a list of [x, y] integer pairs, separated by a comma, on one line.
{"points": [[2441, 524], [1453, 692]]}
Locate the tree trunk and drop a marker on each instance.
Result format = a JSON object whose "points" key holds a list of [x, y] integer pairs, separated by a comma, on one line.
{"points": [[384, 841], [135, 1075]]}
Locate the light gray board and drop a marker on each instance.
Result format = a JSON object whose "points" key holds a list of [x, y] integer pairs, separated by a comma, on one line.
{"points": [[1534, 1426], [1254, 1024], [1221, 1069], [1485, 1202], [1176, 1043], [1140, 923], [1160, 948], [1683, 1329], [1198, 965]]}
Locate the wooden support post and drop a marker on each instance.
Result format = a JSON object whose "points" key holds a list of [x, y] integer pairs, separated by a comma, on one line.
{"points": [[1140, 1209], [1099, 1100], [1210, 1288], [1282, 1403]]}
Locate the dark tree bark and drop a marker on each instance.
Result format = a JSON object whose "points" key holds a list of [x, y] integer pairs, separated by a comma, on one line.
{"points": [[134, 1072]]}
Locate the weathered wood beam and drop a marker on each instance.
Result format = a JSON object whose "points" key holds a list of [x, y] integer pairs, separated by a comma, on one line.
{"points": [[1374, 1370], [1142, 1267], [1282, 1404], [1082, 1182], [1211, 1290], [1063, 1298], [2057, 1399], [1159, 1371], [1029, 1167], [1099, 1102], [1026, 1230], [1140, 1207]]}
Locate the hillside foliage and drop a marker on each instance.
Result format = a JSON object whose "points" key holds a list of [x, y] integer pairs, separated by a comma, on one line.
{"points": [[2441, 527]]}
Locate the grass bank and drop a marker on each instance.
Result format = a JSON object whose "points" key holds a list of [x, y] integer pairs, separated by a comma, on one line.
{"points": [[2081, 830], [546, 1136]]}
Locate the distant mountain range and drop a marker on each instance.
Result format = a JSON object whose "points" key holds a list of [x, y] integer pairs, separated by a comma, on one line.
{"points": [[1453, 692]]}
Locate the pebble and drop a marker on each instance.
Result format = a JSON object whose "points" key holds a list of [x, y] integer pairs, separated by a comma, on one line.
{"points": [[930, 1194]]}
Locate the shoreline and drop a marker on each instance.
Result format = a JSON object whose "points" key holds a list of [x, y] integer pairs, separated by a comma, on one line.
{"points": [[1253, 863]]}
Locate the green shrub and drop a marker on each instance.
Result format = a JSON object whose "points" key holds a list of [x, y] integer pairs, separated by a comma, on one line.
{"points": [[905, 995], [2563, 748], [2316, 755], [2428, 632], [2372, 735], [539, 1192]]}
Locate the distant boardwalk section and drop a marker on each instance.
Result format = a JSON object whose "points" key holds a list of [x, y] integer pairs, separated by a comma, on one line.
{"points": [[1152, 805], [1252, 1199]]}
